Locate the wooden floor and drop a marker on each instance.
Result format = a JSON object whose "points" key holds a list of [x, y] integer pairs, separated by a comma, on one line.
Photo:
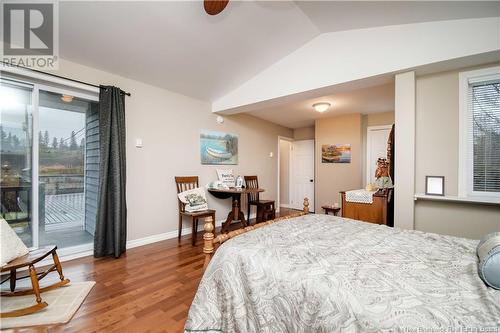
{"points": [[149, 289]]}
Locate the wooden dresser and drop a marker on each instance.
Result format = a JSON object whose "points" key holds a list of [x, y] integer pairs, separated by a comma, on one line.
{"points": [[380, 211]]}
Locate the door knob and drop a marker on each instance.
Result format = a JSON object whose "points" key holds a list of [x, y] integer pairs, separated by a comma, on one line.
{"points": [[311, 180]]}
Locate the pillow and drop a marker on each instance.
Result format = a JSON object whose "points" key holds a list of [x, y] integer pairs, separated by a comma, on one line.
{"points": [[226, 176], [11, 246], [194, 200], [488, 251]]}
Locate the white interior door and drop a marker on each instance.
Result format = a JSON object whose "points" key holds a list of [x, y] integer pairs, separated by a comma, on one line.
{"points": [[302, 174], [376, 146]]}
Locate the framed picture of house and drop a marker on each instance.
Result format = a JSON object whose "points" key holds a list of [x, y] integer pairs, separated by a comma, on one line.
{"points": [[337, 153], [434, 185]]}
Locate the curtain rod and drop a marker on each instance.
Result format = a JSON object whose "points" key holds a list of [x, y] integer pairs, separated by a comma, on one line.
{"points": [[61, 77]]}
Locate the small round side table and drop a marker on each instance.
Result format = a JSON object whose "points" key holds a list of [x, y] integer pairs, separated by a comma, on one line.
{"points": [[330, 209]]}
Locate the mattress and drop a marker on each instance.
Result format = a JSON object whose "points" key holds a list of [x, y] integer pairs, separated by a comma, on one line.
{"points": [[321, 273]]}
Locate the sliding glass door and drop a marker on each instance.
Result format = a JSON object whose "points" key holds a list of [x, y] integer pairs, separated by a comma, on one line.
{"points": [[61, 170], [63, 126], [16, 180]]}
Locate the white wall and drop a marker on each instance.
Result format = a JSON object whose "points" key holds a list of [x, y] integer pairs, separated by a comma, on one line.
{"points": [[170, 124], [337, 57]]}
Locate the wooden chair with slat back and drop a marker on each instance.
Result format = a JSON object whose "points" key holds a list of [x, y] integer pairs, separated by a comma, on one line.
{"points": [[184, 184], [265, 208]]}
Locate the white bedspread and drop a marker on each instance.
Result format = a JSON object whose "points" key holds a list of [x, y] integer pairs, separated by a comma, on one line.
{"points": [[320, 273]]}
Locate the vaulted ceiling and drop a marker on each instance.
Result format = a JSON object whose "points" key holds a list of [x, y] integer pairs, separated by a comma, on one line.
{"points": [[175, 45]]}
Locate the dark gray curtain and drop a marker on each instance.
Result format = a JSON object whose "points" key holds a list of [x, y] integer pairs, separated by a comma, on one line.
{"points": [[111, 225]]}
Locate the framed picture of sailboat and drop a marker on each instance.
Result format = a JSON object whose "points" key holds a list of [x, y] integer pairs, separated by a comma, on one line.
{"points": [[218, 148]]}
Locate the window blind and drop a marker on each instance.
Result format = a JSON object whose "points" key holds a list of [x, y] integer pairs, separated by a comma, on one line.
{"points": [[484, 121]]}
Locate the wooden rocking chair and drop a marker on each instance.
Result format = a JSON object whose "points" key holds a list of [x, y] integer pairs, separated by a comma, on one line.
{"points": [[29, 260]]}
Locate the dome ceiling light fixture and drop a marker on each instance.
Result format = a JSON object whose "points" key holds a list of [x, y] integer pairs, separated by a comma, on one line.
{"points": [[321, 107], [67, 98]]}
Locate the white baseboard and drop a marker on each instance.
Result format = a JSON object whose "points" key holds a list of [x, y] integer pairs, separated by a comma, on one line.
{"points": [[164, 236], [169, 235], [155, 238], [136, 242]]}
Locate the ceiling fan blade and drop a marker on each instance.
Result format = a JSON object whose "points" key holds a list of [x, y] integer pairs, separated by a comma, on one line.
{"points": [[214, 7]]}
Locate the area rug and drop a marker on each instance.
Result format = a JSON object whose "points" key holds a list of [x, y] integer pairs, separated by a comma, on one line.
{"points": [[63, 303]]}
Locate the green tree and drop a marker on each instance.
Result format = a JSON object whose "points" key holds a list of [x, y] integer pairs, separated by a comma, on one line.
{"points": [[73, 145], [8, 141], [41, 141], [3, 135], [231, 144], [82, 143], [46, 139], [54, 143], [15, 141], [3, 139], [62, 144]]}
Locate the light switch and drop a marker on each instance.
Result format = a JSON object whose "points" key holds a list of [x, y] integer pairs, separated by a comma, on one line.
{"points": [[138, 143]]}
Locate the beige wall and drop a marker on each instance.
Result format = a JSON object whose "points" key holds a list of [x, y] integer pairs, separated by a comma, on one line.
{"points": [[373, 119], [404, 150], [285, 147], [457, 219], [304, 133], [331, 178], [436, 124], [170, 125], [378, 119], [437, 144]]}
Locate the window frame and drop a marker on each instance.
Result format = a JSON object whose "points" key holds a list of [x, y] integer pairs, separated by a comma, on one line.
{"points": [[465, 165]]}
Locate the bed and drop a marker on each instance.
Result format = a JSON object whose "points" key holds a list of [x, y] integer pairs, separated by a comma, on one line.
{"points": [[322, 273]]}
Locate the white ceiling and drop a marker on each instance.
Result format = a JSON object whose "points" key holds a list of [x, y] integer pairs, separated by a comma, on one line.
{"points": [[331, 16], [365, 97], [175, 45]]}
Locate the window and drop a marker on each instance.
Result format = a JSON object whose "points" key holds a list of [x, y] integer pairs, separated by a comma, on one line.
{"points": [[480, 133]]}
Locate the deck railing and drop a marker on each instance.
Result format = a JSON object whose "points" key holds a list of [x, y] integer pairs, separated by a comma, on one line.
{"points": [[15, 201], [63, 183]]}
